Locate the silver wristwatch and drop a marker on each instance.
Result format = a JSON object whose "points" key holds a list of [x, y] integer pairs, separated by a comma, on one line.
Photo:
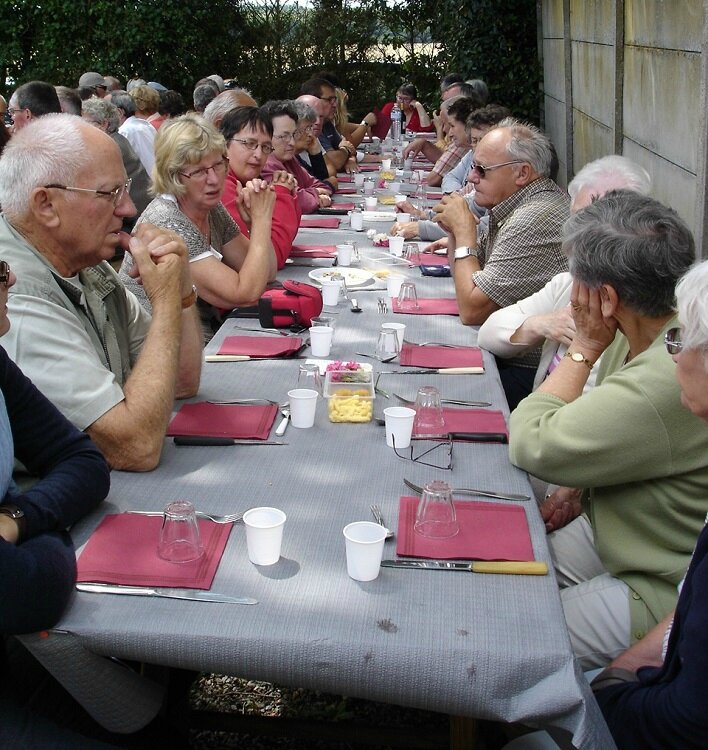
{"points": [[465, 252]]}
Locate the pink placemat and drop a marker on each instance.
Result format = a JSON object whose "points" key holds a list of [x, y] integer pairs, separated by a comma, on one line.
{"points": [[261, 346], [331, 222], [345, 178], [313, 251], [428, 259], [434, 195], [369, 167], [430, 306], [488, 531], [473, 420], [241, 421], [345, 191], [440, 356], [123, 550], [342, 206]]}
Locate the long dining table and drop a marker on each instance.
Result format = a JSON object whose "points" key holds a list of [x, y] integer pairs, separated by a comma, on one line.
{"points": [[468, 645]]}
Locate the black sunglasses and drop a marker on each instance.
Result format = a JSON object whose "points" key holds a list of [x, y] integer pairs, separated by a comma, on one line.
{"points": [[4, 272]]}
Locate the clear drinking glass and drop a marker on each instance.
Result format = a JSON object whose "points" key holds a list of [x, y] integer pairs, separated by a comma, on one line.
{"points": [[429, 419], [407, 296], [180, 541], [309, 377], [387, 346], [436, 517]]}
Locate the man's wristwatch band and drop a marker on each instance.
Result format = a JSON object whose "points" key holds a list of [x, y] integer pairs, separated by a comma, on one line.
{"points": [[465, 251], [18, 516], [190, 299]]}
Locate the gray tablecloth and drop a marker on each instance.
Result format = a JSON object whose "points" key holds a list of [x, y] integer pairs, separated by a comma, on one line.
{"points": [[484, 646]]}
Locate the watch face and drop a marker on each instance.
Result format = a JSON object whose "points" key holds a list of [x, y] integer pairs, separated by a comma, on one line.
{"points": [[577, 357]]}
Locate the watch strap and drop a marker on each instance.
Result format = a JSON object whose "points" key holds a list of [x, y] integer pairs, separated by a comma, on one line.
{"points": [[465, 251], [578, 357], [190, 299], [18, 516]]}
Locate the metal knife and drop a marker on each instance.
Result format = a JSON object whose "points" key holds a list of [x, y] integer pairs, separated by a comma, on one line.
{"points": [[197, 440], [470, 491], [472, 437], [436, 371], [191, 594], [528, 568]]}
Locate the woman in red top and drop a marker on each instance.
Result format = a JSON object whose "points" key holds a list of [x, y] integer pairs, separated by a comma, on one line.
{"points": [[415, 118]]}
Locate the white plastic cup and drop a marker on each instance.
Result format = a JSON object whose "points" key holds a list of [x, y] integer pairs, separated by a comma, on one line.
{"points": [[303, 403], [385, 164], [321, 340], [359, 178], [399, 425], [331, 290], [371, 202], [399, 328], [393, 284], [356, 221], [368, 187], [264, 534], [402, 217], [395, 245], [344, 254], [364, 543]]}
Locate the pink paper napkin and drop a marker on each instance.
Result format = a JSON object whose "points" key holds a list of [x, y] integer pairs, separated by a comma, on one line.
{"points": [[473, 420], [340, 207], [434, 195], [261, 346], [440, 356], [123, 550], [313, 251], [326, 223], [345, 178], [241, 421], [428, 306], [369, 167], [488, 531], [428, 259]]}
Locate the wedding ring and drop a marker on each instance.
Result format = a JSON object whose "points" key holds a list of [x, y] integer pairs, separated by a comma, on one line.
{"points": [[576, 306]]}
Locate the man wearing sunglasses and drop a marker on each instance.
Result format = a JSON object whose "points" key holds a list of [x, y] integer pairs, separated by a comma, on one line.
{"points": [[521, 248], [85, 341]]}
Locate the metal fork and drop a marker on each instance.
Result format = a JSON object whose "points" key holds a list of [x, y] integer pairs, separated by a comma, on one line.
{"points": [[376, 513], [382, 305], [228, 518]]}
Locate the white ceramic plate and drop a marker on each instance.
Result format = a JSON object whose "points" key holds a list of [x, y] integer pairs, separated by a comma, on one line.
{"points": [[352, 276]]}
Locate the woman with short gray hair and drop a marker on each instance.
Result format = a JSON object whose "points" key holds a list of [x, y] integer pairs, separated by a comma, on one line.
{"points": [[621, 549]]}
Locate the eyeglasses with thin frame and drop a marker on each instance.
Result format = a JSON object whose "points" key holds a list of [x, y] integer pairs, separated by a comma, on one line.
{"points": [[482, 169], [440, 440], [303, 131], [201, 174], [116, 195], [285, 137], [4, 272], [672, 341], [330, 99], [250, 144], [12, 111]]}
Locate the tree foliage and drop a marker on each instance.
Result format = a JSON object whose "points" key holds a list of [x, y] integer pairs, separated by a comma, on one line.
{"points": [[271, 46]]}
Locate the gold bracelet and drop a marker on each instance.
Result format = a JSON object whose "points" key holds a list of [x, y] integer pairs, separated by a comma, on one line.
{"points": [[190, 299]]}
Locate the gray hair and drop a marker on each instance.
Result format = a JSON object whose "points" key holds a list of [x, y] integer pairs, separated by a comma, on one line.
{"points": [[99, 111], [304, 111], [633, 243], [692, 299], [133, 82], [446, 104], [123, 100], [611, 173], [480, 88], [528, 143], [48, 150], [224, 102]]}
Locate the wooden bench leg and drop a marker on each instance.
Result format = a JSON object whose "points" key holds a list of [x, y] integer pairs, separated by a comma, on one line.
{"points": [[463, 733]]}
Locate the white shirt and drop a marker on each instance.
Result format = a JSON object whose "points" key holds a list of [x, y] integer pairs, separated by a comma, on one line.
{"points": [[141, 136]]}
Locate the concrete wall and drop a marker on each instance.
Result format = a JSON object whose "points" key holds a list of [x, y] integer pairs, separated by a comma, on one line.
{"points": [[629, 77]]}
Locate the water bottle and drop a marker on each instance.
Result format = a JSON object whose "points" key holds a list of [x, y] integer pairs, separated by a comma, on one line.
{"points": [[396, 117]]}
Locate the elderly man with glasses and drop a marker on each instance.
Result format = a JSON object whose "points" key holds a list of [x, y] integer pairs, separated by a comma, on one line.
{"points": [[30, 101], [521, 248], [86, 342]]}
